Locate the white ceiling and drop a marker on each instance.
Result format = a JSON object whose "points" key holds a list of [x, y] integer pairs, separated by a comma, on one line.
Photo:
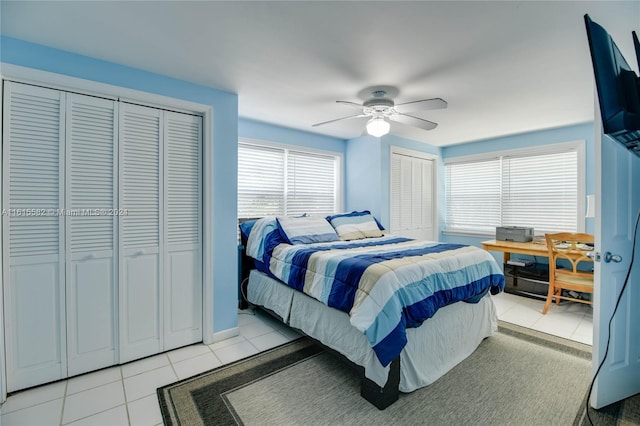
{"points": [[505, 67]]}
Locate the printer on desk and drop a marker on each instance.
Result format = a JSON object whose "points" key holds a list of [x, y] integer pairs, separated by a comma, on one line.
{"points": [[520, 234]]}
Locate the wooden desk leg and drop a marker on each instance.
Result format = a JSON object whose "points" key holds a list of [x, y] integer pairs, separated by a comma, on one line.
{"points": [[506, 256]]}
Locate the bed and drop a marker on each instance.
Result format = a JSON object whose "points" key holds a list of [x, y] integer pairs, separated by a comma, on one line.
{"points": [[405, 311]]}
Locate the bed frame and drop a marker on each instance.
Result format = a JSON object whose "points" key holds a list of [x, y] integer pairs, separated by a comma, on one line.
{"points": [[380, 397]]}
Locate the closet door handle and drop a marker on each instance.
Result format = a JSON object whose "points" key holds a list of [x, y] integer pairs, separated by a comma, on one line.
{"points": [[140, 253], [90, 256]]}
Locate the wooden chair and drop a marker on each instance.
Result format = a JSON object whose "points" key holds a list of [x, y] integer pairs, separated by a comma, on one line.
{"points": [[570, 247]]}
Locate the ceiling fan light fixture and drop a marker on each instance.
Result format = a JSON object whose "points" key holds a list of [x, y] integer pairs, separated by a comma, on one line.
{"points": [[378, 127]]}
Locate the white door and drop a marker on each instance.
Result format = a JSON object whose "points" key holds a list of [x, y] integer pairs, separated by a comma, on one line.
{"points": [[33, 254], [183, 256], [91, 129], [618, 204], [412, 209], [140, 243]]}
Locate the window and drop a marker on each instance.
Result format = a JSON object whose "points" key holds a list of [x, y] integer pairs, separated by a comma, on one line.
{"points": [[275, 180], [542, 189]]}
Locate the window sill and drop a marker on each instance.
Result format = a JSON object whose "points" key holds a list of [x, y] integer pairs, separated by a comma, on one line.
{"points": [[469, 234]]}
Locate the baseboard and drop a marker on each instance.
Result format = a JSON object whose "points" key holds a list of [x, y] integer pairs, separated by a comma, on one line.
{"points": [[225, 334]]}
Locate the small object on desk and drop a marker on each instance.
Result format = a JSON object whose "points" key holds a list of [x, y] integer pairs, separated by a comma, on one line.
{"points": [[520, 234], [520, 262]]}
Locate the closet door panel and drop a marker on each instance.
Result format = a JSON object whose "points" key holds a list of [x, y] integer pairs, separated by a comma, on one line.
{"points": [[91, 129], [183, 257], [142, 294], [183, 297], [35, 343], [33, 245], [90, 319], [140, 170]]}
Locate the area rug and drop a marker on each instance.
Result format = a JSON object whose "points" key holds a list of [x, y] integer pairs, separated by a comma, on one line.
{"points": [[512, 378]]}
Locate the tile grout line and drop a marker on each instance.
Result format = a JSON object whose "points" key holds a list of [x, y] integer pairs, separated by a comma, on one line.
{"points": [[124, 393], [64, 400], [91, 387], [214, 354]]}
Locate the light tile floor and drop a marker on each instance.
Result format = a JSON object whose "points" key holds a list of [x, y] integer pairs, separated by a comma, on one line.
{"points": [[569, 320], [126, 395]]}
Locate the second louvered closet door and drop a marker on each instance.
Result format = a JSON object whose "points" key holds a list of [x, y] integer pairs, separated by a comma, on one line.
{"points": [[141, 197], [91, 128]]}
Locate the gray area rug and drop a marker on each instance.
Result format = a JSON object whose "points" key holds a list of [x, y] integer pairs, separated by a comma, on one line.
{"points": [[512, 378]]}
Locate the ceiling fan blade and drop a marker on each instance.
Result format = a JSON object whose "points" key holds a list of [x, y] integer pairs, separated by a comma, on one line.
{"points": [[410, 120], [424, 104], [339, 119], [352, 104]]}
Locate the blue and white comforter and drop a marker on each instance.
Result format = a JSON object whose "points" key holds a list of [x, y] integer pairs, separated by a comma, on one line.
{"points": [[387, 284]]}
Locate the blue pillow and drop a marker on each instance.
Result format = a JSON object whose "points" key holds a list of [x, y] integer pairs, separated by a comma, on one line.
{"points": [[355, 226], [245, 229], [355, 213], [306, 230]]}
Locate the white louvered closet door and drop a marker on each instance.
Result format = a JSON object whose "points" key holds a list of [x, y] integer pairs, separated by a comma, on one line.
{"points": [[183, 255], [141, 245], [91, 127], [412, 197], [34, 299]]}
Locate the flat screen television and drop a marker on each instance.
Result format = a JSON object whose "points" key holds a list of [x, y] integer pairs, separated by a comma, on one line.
{"points": [[617, 86]]}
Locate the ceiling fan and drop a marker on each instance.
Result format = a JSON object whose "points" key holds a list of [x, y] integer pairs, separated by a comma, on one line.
{"points": [[380, 107]]}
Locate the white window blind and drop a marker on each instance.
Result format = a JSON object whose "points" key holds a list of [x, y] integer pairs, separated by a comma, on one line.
{"points": [[311, 184], [281, 181], [536, 190], [541, 191], [260, 181], [473, 196]]}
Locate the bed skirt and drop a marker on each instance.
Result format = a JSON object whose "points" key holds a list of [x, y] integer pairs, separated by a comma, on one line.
{"points": [[434, 348]]}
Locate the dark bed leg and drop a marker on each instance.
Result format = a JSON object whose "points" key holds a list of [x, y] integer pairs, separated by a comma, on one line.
{"points": [[382, 397]]}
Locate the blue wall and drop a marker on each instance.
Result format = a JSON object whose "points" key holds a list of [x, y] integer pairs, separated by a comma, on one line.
{"points": [[224, 143], [364, 175], [272, 133]]}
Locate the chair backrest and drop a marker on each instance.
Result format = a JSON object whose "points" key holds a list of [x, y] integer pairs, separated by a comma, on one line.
{"points": [[571, 247]]}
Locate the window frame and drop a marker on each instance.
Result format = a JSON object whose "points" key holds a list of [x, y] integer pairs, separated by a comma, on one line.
{"points": [[578, 146], [339, 156]]}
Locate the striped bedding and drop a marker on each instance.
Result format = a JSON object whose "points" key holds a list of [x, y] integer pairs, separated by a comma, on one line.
{"points": [[387, 284]]}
